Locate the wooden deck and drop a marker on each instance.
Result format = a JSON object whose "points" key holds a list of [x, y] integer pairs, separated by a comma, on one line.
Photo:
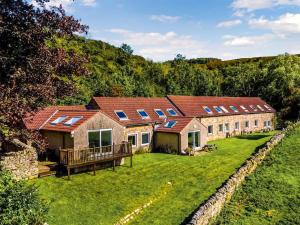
{"points": [[71, 158]]}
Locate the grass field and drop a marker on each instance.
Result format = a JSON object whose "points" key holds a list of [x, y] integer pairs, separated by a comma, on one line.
{"points": [[272, 194], [176, 184]]}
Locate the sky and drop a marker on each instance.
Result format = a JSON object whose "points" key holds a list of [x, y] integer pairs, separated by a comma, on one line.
{"points": [[161, 29]]}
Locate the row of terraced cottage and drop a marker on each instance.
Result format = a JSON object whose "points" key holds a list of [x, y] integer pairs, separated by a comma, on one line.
{"points": [[172, 122]]}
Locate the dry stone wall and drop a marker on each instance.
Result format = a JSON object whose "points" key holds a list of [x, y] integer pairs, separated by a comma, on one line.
{"points": [[22, 161], [212, 207]]}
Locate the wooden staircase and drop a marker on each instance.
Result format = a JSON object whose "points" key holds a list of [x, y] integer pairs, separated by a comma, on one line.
{"points": [[47, 169]]}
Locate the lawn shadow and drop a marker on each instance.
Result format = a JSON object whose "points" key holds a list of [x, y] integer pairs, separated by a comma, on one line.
{"points": [[252, 137]]}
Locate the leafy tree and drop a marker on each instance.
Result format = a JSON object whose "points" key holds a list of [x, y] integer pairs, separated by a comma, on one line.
{"points": [[33, 71], [127, 49]]}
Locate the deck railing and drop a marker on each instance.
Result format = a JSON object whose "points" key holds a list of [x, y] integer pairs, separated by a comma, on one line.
{"points": [[72, 158]]}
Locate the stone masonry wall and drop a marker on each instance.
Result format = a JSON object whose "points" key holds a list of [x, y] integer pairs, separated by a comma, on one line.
{"points": [[212, 207], [21, 162]]}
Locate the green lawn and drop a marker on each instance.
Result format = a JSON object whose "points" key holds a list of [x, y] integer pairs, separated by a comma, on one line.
{"points": [[271, 195], [109, 196]]}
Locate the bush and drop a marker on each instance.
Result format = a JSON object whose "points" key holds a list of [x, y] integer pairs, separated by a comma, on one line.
{"points": [[19, 202], [166, 149], [142, 150]]}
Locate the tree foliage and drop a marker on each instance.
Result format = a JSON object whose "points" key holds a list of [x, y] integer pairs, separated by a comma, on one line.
{"points": [[33, 71]]}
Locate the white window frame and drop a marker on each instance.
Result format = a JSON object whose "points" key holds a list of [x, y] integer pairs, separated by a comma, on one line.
{"points": [[142, 138], [238, 123], [136, 138], [265, 124], [256, 123], [55, 123], [225, 127], [234, 110], [143, 117], [246, 121], [100, 138], [70, 124], [215, 107], [267, 107], [206, 107], [175, 122], [224, 109], [261, 108], [121, 119], [209, 134], [244, 108], [219, 128], [176, 114], [196, 131], [163, 116]]}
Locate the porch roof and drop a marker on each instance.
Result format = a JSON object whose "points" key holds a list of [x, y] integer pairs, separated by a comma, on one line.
{"points": [[180, 124]]}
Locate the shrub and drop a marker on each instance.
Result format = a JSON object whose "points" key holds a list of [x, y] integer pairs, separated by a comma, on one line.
{"points": [[166, 149], [19, 202], [142, 150]]}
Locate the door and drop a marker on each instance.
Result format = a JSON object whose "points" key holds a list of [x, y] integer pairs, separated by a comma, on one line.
{"points": [[194, 139]]}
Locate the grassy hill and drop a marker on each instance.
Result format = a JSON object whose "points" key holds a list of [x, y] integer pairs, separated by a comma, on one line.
{"points": [[271, 194]]}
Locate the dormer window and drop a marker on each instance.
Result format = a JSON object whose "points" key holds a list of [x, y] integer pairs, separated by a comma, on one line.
{"points": [[58, 120], [224, 109], [121, 114], [73, 120], [208, 110], [233, 108], [170, 124], [218, 109], [160, 113], [172, 112], [244, 108], [143, 114]]}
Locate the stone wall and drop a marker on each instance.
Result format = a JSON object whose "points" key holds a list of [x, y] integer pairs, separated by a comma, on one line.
{"points": [[212, 207], [21, 161]]}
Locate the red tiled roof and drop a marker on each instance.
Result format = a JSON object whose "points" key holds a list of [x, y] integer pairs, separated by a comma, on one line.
{"points": [[193, 105], [130, 105], [181, 123], [35, 121], [85, 114]]}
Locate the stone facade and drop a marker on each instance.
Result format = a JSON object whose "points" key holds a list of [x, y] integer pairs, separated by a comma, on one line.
{"points": [[138, 131], [231, 120], [21, 161], [213, 206]]}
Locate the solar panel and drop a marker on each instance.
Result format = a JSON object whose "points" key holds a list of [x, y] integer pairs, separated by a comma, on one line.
{"points": [[207, 109], [72, 120], [170, 124], [58, 120], [121, 115], [172, 112]]}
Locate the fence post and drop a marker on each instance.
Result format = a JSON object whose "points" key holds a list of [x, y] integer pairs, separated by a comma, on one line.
{"points": [[114, 161], [130, 149]]}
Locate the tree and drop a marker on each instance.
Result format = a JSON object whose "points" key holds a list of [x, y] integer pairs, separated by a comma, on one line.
{"points": [[33, 71], [127, 49]]}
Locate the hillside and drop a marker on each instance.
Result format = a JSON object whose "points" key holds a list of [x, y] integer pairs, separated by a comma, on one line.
{"points": [[271, 194], [115, 72]]}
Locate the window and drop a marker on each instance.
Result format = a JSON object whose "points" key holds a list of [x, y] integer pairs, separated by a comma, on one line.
{"points": [[218, 109], [94, 139], [73, 120], [160, 113], [210, 129], [58, 120], [246, 124], [170, 124], [145, 138], [172, 112], [100, 138], [267, 107], [268, 123], [121, 114], [208, 110], [255, 123], [234, 109], [220, 127], [253, 107], [261, 108], [226, 127], [265, 123], [143, 114], [194, 139], [224, 109], [236, 125], [244, 108], [132, 138]]}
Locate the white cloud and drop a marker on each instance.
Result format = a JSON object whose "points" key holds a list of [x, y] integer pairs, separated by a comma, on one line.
{"points": [[165, 18], [89, 2], [66, 4], [246, 41], [229, 23], [159, 46], [251, 5], [286, 24]]}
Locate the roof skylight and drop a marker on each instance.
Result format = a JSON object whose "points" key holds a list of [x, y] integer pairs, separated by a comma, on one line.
{"points": [[170, 124], [172, 112], [233, 108], [261, 108], [267, 107], [159, 112], [208, 110], [218, 109], [224, 109], [58, 120], [73, 120], [244, 108], [121, 114], [143, 114], [253, 107]]}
